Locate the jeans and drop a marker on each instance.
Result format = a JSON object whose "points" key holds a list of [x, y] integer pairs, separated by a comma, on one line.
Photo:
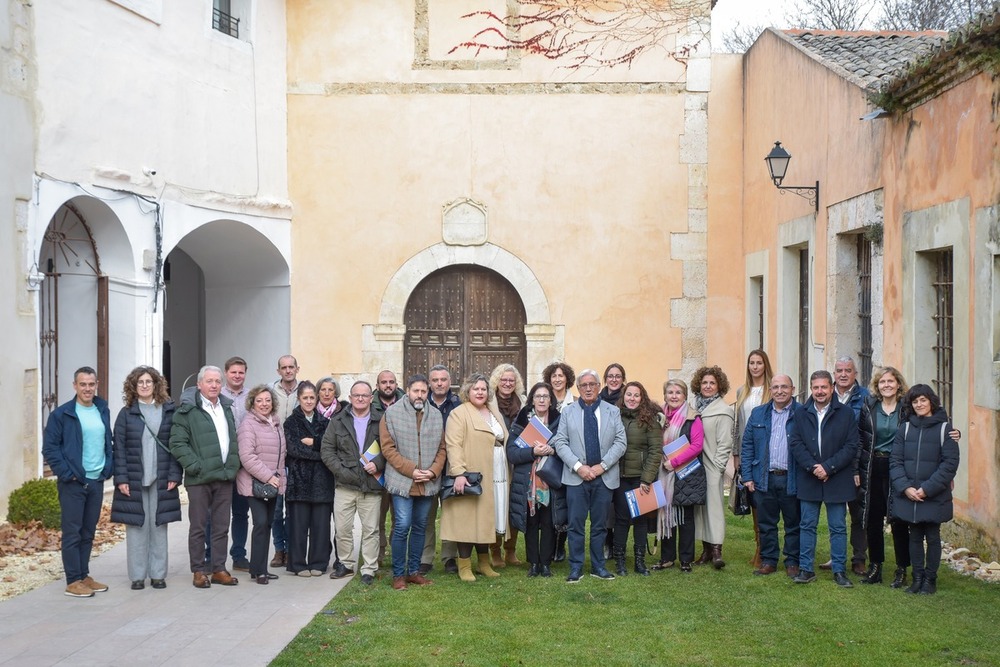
{"points": [[408, 532], [240, 527], [80, 504], [773, 505], [593, 498], [836, 517]]}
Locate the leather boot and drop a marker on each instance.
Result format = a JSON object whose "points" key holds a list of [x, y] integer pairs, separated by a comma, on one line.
{"points": [[510, 549], [485, 568], [898, 578], [873, 575], [929, 586], [496, 558], [619, 554], [918, 582], [465, 569], [717, 561], [706, 554], [560, 554], [640, 561]]}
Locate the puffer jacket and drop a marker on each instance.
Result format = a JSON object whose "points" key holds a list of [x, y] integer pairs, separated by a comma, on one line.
{"points": [[262, 452], [693, 489], [342, 455], [309, 480], [129, 429], [521, 459], [643, 448], [924, 457], [195, 443]]}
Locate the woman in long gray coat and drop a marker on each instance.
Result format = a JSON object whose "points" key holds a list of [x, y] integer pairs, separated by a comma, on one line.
{"points": [[146, 476], [710, 385]]}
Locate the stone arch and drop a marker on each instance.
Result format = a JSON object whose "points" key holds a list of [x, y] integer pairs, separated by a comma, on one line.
{"points": [[383, 343]]}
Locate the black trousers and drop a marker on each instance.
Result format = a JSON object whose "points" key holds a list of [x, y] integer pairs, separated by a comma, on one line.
{"points": [[262, 512], [540, 538], [879, 489], [623, 519], [308, 535], [931, 532], [681, 541], [859, 538]]}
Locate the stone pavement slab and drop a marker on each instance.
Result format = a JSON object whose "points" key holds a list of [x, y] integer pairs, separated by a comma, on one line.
{"points": [[181, 625]]}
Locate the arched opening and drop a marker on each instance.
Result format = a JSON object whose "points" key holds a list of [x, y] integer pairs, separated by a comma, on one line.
{"points": [[227, 294], [468, 318]]}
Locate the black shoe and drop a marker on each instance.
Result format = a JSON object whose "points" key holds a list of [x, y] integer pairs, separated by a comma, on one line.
{"points": [[918, 583], [138, 585], [158, 583], [533, 570], [367, 579], [450, 566], [574, 576], [685, 567], [930, 585], [425, 568], [602, 574], [873, 575], [804, 577], [898, 578], [841, 580], [241, 564], [545, 571], [339, 572]]}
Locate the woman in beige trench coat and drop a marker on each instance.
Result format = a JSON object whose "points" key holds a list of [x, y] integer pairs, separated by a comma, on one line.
{"points": [[473, 436]]}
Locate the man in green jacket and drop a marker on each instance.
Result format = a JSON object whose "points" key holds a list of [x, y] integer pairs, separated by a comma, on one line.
{"points": [[203, 440]]}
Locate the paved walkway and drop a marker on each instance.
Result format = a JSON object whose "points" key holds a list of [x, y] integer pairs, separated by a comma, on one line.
{"points": [[241, 625]]}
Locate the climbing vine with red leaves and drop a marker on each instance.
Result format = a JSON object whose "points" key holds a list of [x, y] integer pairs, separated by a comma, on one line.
{"points": [[591, 34]]}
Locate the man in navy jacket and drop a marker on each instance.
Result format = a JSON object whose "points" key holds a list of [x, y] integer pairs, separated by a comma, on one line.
{"points": [[823, 436], [77, 447], [768, 472]]}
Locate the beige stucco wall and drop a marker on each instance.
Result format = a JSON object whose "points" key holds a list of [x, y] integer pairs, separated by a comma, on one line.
{"points": [[581, 176]]}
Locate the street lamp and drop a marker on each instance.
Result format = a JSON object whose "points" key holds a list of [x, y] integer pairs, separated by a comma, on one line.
{"points": [[777, 164]]}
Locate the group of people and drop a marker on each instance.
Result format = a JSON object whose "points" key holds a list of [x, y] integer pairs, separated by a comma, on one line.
{"points": [[291, 455]]}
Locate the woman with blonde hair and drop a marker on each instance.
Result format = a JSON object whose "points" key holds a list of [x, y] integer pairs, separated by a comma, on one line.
{"points": [[756, 391], [146, 498], [475, 437], [507, 398]]}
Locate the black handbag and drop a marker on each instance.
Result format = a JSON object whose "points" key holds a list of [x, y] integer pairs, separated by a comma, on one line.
{"points": [[739, 496], [550, 470], [263, 490], [474, 487]]}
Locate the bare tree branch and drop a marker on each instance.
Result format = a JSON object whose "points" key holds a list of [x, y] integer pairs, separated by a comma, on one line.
{"points": [[846, 15]]}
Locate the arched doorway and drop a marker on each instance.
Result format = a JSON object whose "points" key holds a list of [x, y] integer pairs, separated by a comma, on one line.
{"points": [[73, 307], [466, 317]]}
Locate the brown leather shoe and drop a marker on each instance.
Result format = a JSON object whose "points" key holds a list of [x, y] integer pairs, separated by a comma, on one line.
{"points": [[859, 569], [279, 559], [792, 570], [765, 569], [706, 554], [717, 561], [419, 580], [223, 578], [828, 565], [200, 580], [399, 583]]}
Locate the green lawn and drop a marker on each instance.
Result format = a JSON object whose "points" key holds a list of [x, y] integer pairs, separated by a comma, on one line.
{"points": [[703, 618]]}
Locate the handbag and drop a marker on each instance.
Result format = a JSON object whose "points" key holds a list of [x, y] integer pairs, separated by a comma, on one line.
{"points": [[550, 470], [263, 490], [474, 487], [739, 496]]}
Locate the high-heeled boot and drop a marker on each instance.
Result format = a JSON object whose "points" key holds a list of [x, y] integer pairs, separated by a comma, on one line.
{"points": [[898, 578], [873, 575]]}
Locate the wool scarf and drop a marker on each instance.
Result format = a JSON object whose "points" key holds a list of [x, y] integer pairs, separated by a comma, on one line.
{"points": [[415, 443]]}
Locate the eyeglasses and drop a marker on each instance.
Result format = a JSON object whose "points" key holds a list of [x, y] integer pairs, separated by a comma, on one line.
{"points": [[614, 377], [143, 383], [507, 381], [542, 397], [590, 385], [361, 396]]}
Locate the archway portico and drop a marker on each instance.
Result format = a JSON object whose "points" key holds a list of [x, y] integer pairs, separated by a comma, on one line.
{"points": [[383, 343]]}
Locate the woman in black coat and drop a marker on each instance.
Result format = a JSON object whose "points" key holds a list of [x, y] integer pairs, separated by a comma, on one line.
{"points": [[535, 508], [309, 492], [922, 466], [146, 476]]}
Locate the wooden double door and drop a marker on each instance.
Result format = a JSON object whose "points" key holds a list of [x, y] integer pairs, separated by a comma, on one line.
{"points": [[467, 318]]}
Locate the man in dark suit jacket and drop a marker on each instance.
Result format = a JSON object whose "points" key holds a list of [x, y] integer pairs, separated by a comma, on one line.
{"points": [[823, 437], [590, 440]]}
